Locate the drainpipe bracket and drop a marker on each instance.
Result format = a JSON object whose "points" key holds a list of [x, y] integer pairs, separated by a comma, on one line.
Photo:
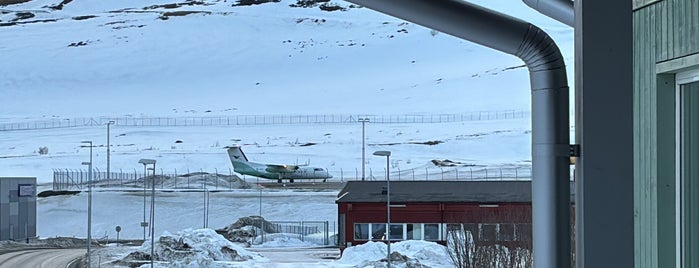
{"points": [[574, 150]]}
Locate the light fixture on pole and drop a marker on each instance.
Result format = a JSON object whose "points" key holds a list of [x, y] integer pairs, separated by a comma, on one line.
{"points": [[89, 200], [108, 149], [145, 162], [387, 154], [152, 219], [363, 120]]}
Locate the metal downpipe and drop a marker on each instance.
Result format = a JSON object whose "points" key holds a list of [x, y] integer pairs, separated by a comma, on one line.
{"points": [[560, 10], [550, 122]]}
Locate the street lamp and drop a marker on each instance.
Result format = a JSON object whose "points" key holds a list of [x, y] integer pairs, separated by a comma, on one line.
{"points": [[387, 154], [89, 200], [152, 219], [108, 148], [363, 120], [145, 162]]}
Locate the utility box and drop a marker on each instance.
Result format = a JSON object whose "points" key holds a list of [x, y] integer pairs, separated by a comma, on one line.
{"points": [[17, 208]]}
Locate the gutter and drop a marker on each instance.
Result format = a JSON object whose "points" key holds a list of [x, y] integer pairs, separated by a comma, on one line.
{"points": [[549, 88]]}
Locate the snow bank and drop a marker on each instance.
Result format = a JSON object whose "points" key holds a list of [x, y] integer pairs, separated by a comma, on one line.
{"points": [[415, 253], [193, 248]]}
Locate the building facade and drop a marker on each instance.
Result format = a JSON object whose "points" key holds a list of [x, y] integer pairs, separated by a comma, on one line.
{"points": [[495, 212], [666, 133], [17, 208]]}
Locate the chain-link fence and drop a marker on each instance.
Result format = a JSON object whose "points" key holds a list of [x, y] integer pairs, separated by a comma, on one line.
{"points": [[308, 232], [64, 179], [261, 120], [443, 173]]}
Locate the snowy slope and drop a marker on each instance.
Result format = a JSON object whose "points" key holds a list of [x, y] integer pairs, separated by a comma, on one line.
{"points": [[268, 58]]}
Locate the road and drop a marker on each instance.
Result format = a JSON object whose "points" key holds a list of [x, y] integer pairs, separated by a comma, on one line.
{"points": [[306, 257], [38, 258]]}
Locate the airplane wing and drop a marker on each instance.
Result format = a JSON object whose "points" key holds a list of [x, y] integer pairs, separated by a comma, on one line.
{"points": [[281, 168]]}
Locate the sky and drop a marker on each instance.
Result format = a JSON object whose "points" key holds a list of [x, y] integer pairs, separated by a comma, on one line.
{"points": [[268, 59]]}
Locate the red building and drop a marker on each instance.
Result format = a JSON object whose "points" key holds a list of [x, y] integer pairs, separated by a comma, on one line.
{"points": [[494, 211]]}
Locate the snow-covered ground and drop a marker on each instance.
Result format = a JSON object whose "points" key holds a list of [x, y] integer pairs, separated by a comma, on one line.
{"points": [[123, 58]]}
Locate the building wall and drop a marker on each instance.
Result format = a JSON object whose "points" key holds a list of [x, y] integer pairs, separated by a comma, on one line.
{"points": [[503, 213], [17, 208], [666, 40]]}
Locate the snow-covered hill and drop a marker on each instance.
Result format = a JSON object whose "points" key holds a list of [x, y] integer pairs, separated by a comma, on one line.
{"points": [[162, 57]]}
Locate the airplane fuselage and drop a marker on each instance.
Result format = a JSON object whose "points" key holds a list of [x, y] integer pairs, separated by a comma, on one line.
{"points": [[263, 171], [273, 171]]}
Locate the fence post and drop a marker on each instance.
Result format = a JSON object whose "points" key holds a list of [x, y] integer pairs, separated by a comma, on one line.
{"points": [[175, 184], [326, 231], [216, 170]]}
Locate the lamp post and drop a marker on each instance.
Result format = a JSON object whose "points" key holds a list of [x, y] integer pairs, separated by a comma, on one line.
{"points": [[152, 219], [108, 147], [89, 201], [145, 163], [387, 154], [363, 120]]}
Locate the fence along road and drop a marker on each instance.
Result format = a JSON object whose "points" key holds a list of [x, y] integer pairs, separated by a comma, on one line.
{"points": [[261, 120]]}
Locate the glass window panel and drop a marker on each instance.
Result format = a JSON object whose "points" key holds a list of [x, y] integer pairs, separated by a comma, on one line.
{"points": [[361, 231], [431, 231], [506, 232], [488, 232], [378, 231], [471, 228], [414, 231], [523, 232], [689, 173], [396, 231]]}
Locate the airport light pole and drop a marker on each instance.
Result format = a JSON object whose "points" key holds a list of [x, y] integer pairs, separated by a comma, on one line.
{"points": [[89, 201], [363, 120], [108, 148], [387, 154], [152, 219], [145, 163]]}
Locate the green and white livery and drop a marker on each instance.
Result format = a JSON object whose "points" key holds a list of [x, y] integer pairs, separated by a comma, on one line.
{"points": [[273, 171]]}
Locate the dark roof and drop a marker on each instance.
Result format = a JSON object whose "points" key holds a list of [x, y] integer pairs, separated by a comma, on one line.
{"points": [[436, 191]]}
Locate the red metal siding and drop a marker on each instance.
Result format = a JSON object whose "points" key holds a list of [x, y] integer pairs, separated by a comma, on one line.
{"points": [[502, 213]]}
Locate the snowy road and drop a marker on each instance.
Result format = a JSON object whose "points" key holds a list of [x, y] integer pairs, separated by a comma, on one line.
{"points": [[41, 258], [296, 257]]}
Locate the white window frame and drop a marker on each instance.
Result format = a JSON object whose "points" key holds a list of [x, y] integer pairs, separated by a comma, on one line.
{"points": [[681, 78]]}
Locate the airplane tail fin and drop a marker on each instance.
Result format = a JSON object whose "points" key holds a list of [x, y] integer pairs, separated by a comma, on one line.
{"points": [[236, 154]]}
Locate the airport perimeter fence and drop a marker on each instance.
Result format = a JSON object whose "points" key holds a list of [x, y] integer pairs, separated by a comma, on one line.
{"points": [[77, 179], [310, 232], [241, 120]]}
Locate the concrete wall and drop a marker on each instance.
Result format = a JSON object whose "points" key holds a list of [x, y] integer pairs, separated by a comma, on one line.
{"points": [[17, 208]]}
